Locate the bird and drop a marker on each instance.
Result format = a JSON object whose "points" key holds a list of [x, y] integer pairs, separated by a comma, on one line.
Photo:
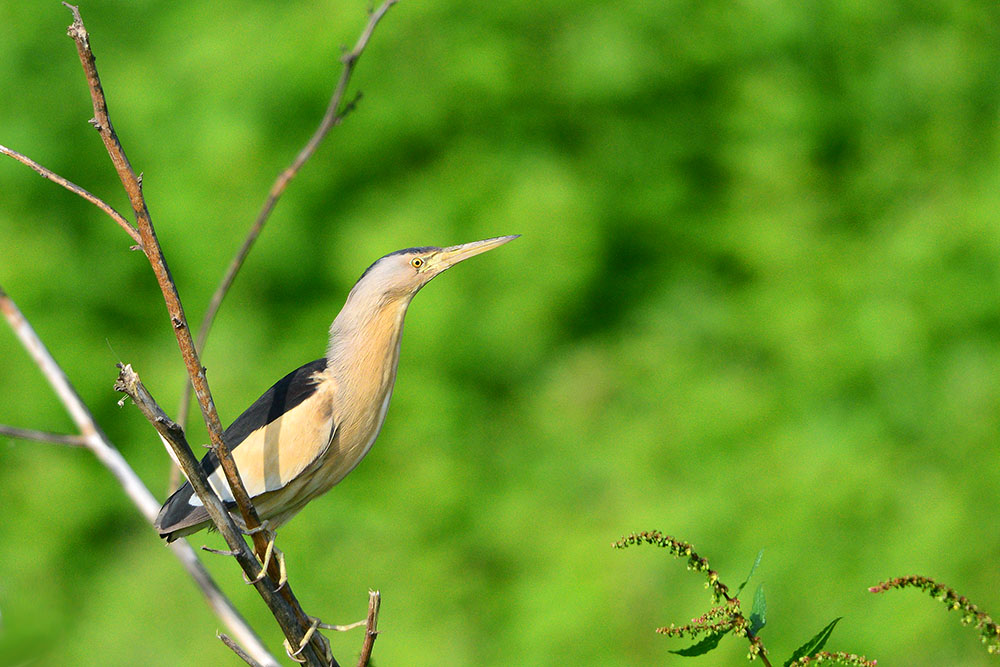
{"points": [[314, 425]]}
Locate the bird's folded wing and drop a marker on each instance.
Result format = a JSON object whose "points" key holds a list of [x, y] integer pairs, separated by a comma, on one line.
{"points": [[272, 442]]}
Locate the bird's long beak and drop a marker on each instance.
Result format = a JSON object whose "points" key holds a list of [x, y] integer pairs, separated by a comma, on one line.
{"points": [[452, 255]]}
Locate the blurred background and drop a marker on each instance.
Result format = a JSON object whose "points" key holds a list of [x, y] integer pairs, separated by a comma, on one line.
{"points": [[756, 304]]}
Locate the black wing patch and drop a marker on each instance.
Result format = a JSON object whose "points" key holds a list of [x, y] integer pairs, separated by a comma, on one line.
{"points": [[283, 395], [178, 513]]}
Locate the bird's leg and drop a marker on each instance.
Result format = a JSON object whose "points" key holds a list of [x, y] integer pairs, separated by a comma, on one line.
{"points": [[264, 564], [263, 527], [268, 553]]}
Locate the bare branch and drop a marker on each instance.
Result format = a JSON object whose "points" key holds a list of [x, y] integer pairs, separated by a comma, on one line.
{"points": [[336, 111], [151, 246], [101, 120], [75, 189], [371, 627], [97, 442], [43, 436], [316, 652], [157, 261], [284, 612]]}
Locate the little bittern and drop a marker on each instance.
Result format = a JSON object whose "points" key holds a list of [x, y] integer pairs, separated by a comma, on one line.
{"points": [[310, 429]]}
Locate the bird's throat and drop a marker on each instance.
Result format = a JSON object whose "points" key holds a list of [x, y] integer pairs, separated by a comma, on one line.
{"points": [[364, 374]]}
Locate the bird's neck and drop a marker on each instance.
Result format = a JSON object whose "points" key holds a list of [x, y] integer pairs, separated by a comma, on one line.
{"points": [[363, 354]]}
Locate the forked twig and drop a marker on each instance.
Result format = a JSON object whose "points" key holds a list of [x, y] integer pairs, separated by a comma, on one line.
{"points": [[75, 189]]}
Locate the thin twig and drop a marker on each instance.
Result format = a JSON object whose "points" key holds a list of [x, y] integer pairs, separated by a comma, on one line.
{"points": [[315, 652], [371, 628], [43, 436], [75, 189], [336, 111], [237, 649], [97, 442]]}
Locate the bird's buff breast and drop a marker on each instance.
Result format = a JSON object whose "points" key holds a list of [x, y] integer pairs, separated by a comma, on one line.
{"points": [[352, 440], [350, 444]]}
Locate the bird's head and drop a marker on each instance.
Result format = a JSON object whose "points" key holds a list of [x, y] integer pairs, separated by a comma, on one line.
{"points": [[399, 275], [375, 308]]}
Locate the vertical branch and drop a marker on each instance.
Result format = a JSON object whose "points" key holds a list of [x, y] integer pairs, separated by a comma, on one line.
{"points": [[371, 628]]}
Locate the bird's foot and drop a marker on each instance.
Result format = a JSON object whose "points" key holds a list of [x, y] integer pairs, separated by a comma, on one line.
{"points": [[310, 634], [271, 551]]}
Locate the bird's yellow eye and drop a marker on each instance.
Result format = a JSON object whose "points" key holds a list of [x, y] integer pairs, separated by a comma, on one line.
{"points": [[416, 262]]}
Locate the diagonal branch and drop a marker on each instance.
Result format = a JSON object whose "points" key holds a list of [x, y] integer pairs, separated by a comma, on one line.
{"points": [[237, 649], [43, 436], [75, 189], [97, 442], [336, 111], [154, 253], [129, 383]]}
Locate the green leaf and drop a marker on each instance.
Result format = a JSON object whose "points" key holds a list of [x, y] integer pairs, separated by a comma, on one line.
{"points": [[753, 568], [815, 644], [758, 615], [702, 647]]}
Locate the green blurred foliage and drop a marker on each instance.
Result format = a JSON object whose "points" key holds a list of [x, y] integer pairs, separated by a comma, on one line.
{"points": [[756, 304]]}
